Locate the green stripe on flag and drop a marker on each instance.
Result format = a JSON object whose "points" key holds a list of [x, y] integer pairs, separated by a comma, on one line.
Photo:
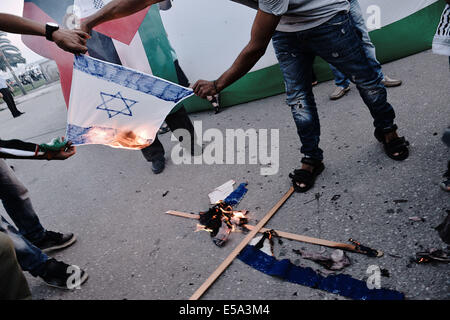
{"points": [[157, 46]]}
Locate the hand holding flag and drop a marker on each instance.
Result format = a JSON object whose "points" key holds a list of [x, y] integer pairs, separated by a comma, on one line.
{"points": [[73, 41], [118, 106]]}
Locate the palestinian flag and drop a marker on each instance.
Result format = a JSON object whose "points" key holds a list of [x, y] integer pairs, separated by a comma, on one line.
{"points": [[208, 36], [138, 41]]}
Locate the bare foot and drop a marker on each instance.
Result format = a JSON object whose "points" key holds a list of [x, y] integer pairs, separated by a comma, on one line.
{"points": [[392, 136], [306, 167]]}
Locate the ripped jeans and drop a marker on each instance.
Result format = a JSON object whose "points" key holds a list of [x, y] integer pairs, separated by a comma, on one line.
{"points": [[338, 43]]}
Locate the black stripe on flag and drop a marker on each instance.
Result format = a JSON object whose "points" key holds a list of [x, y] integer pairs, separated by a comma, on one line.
{"points": [[102, 47]]}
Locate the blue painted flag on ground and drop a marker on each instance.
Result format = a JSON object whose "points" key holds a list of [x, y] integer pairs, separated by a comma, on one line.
{"points": [[117, 106]]}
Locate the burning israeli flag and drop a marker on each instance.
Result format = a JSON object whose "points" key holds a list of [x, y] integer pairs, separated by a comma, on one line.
{"points": [[117, 106]]}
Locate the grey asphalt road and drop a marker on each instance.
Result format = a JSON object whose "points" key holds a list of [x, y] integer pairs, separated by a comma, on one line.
{"points": [[132, 250]]}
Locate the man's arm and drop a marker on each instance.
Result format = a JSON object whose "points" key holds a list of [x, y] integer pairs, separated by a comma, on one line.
{"points": [[262, 30], [17, 149], [69, 40], [114, 10]]}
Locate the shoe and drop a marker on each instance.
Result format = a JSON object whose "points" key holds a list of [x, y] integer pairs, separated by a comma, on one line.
{"points": [[389, 82], [18, 114], [61, 275], [303, 176], [164, 129], [55, 241], [339, 92], [397, 148], [158, 165]]}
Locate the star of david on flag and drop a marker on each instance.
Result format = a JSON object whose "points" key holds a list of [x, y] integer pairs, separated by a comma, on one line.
{"points": [[112, 110], [117, 106]]}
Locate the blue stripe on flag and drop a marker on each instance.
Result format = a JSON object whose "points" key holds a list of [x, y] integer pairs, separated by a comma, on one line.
{"points": [[341, 284], [236, 196], [132, 79], [80, 135]]}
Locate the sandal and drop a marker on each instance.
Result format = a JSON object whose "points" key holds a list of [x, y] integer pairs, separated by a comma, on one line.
{"points": [[398, 145], [302, 176]]}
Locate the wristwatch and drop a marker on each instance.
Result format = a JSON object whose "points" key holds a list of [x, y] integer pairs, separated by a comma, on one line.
{"points": [[50, 27]]}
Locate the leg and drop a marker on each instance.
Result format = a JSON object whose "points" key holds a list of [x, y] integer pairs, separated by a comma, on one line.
{"points": [[180, 120], [154, 152], [342, 84], [14, 285], [18, 205], [9, 100], [339, 78], [357, 19], [176, 120], [296, 66], [33, 260], [338, 43], [30, 258]]}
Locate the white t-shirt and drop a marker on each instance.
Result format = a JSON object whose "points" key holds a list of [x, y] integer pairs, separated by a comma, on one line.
{"points": [[299, 15]]}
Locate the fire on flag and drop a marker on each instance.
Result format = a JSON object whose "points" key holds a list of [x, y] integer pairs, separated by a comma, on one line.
{"points": [[117, 106]]}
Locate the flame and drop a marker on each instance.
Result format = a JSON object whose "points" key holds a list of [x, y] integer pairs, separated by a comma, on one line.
{"points": [[239, 214], [202, 228], [130, 140], [100, 135], [222, 214]]}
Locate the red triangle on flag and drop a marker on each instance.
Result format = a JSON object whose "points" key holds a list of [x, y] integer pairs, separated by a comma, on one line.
{"points": [[123, 29]]}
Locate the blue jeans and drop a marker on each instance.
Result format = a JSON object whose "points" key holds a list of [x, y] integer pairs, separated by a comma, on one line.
{"points": [[30, 258], [17, 204], [357, 19], [338, 43]]}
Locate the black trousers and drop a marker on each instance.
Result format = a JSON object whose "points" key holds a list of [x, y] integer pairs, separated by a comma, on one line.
{"points": [[175, 120], [9, 100]]}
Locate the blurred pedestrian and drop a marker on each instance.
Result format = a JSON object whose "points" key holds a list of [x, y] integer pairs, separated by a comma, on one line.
{"points": [[343, 82], [5, 92]]}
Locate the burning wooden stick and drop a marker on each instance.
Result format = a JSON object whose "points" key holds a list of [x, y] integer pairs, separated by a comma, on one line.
{"points": [[357, 248], [224, 265]]}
